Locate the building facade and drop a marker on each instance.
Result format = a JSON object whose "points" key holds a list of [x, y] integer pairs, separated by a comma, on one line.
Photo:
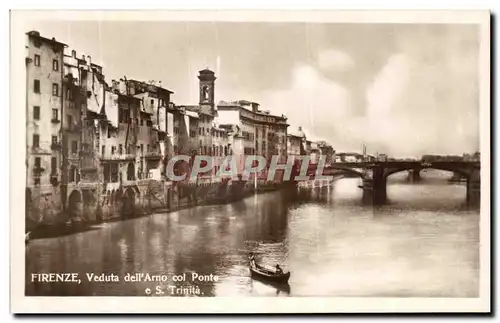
{"points": [[263, 134], [44, 125]]}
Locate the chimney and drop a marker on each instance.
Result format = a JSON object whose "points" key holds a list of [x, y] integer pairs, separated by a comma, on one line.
{"points": [[83, 57], [300, 128], [73, 53], [89, 59]]}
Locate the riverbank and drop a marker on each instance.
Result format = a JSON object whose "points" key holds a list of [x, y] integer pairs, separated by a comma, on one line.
{"points": [[220, 193]]}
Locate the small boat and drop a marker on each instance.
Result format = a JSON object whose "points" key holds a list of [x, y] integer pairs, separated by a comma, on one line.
{"points": [[269, 275]]}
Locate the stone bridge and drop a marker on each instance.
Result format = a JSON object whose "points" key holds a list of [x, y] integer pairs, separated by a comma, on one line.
{"points": [[375, 175]]}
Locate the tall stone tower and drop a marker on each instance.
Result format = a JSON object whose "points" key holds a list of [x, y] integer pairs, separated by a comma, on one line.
{"points": [[207, 82]]}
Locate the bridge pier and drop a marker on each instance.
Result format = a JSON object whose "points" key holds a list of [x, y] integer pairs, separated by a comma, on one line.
{"points": [[414, 175], [474, 188], [375, 186]]}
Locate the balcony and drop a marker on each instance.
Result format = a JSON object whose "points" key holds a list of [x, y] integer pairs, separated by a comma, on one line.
{"points": [[152, 155], [73, 156], [74, 128], [118, 157], [55, 146], [54, 179], [55, 120]]}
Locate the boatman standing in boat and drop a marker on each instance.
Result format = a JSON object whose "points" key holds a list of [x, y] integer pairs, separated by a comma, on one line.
{"points": [[252, 259], [279, 271]]}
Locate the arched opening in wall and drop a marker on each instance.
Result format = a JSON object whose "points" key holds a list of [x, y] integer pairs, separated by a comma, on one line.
{"points": [[128, 203], [75, 205], [433, 189], [130, 172]]}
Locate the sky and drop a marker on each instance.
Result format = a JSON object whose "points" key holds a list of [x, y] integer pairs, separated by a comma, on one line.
{"points": [[401, 89]]}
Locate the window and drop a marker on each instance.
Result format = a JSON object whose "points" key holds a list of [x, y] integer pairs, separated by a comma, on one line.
{"points": [[55, 65], [109, 132], [69, 94], [152, 102], [147, 148], [38, 162], [38, 43], [36, 141], [37, 60], [70, 121], [74, 147], [113, 150], [36, 112], [106, 172], [142, 122], [72, 174], [142, 149], [53, 165], [103, 150], [36, 86], [120, 149], [54, 139], [55, 89], [192, 133], [36, 177], [55, 114]]}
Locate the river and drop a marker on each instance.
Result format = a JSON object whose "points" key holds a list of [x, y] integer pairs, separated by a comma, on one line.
{"points": [[423, 243]]}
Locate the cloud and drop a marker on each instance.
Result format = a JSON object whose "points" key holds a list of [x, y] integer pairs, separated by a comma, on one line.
{"points": [[333, 60]]}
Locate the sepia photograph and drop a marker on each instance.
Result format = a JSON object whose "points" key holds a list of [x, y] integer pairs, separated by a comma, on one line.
{"points": [[292, 158]]}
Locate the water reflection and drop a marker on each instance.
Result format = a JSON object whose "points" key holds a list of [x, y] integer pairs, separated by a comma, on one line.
{"points": [[424, 243]]}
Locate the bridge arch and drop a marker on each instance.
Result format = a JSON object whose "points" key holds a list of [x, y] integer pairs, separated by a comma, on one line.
{"points": [[462, 172], [328, 171], [128, 202], [75, 204]]}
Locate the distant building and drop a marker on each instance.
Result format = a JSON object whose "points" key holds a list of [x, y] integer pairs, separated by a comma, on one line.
{"points": [[382, 157], [327, 151], [349, 157], [263, 134], [296, 143]]}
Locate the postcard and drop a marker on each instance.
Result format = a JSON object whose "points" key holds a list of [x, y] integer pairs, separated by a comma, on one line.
{"points": [[250, 161]]}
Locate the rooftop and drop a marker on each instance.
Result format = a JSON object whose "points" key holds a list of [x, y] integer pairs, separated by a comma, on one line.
{"points": [[151, 86], [36, 34]]}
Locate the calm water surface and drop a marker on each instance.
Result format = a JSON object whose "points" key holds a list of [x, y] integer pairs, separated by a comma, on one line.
{"points": [[424, 243]]}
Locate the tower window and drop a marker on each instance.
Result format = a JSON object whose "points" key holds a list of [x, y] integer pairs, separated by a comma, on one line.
{"points": [[55, 65], [37, 60]]}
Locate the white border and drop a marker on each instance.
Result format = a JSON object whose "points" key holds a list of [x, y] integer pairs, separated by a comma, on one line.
{"points": [[22, 304]]}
